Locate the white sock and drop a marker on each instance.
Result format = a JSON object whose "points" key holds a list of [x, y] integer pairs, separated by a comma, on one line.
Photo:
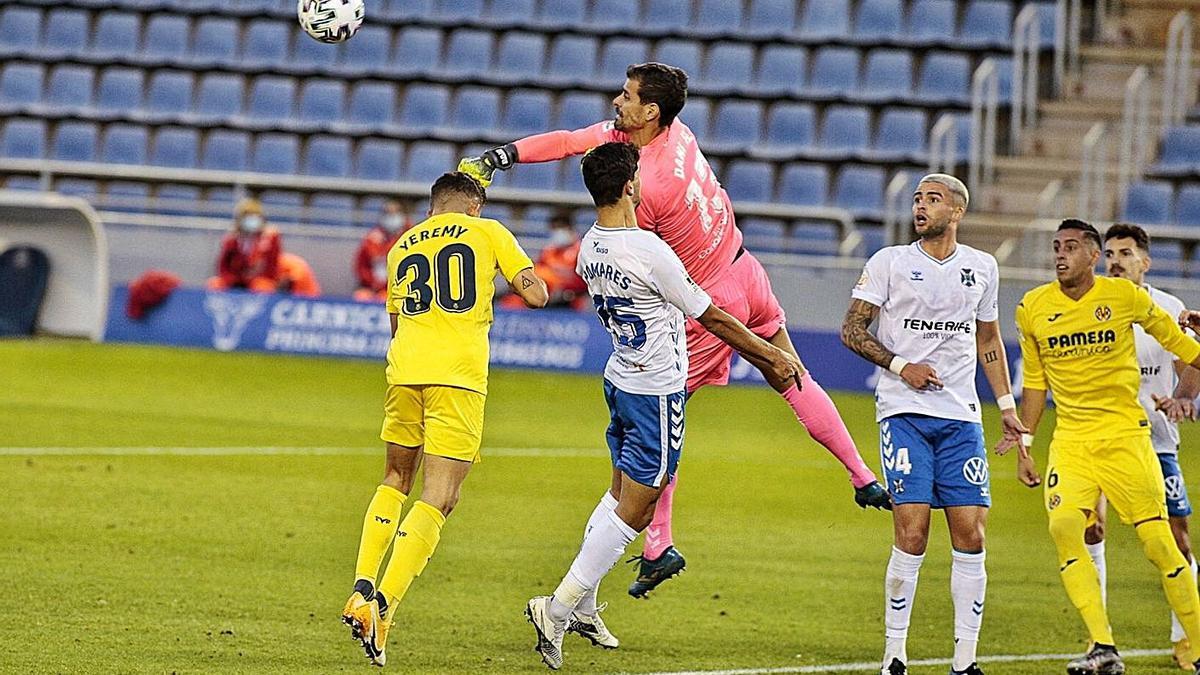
{"points": [[1096, 551], [602, 548], [607, 504], [1177, 632], [900, 588], [968, 585]]}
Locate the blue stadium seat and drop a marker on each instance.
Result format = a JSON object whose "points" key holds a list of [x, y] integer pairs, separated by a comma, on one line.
{"points": [[718, 16], [826, 19], [66, 31], [573, 58], [469, 51], [276, 153], [859, 190], [372, 103], [539, 176], [115, 33], [418, 50], [282, 206], [845, 129], [124, 144], [1180, 151], [322, 100], [20, 27], [804, 184], [70, 87], [378, 160], [521, 55], [120, 89], [879, 19], [613, 14], [526, 112], [901, 134], [945, 77], [28, 183], [749, 181], [265, 43], [1149, 202], [987, 22], [75, 141], [729, 65], [577, 110], [425, 106], [475, 108], [931, 21], [225, 150], [618, 54], [762, 234], [791, 128], [737, 123], [271, 98], [770, 17], [126, 196], [328, 155], [313, 54], [1187, 206], [561, 12], [458, 9], [333, 209], [667, 14], [697, 115], [170, 92], [406, 9], [76, 187], [219, 96], [781, 69], [21, 84], [216, 40], [427, 160], [834, 72], [888, 76], [511, 11], [683, 54], [166, 36], [176, 146], [177, 199], [369, 50]]}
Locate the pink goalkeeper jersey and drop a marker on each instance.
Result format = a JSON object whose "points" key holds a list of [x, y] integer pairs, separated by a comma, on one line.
{"points": [[682, 201]]}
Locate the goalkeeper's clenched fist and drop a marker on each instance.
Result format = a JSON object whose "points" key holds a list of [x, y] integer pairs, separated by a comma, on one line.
{"points": [[483, 167]]}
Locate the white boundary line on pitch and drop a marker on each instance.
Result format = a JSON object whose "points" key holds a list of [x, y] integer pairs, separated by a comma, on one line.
{"points": [[872, 666], [154, 451]]}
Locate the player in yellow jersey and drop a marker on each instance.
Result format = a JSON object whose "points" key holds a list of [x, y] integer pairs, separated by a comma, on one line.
{"points": [[1077, 340], [440, 302]]}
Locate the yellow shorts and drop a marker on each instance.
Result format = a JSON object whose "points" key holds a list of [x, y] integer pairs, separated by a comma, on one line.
{"points": [[1125, 469], [447, 421]]}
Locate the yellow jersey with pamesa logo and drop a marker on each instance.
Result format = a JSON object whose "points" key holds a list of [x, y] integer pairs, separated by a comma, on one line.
{"points": [[1083, 352]]}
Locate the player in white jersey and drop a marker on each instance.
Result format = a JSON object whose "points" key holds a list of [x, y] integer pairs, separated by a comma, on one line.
{"points": [[642, 294], [936, 301], [1168, 390]]}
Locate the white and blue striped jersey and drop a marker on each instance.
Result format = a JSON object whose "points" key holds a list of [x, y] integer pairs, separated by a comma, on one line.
{"points": [[1158, 375], [641, 293]]}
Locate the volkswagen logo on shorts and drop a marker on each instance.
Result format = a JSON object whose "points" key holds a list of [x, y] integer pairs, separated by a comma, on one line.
{"points": [[1174, 485], [975, 470]]}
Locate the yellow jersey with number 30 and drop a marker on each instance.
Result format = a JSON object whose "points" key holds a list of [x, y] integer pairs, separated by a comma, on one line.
{"points": [[442, 282], [1083, 351]]}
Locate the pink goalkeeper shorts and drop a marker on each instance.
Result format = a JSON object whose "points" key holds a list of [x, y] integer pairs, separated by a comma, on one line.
{"points": [[745, 292]]}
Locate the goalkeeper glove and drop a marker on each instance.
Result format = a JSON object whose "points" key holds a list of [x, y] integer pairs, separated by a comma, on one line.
{"points": [[483, 168]]}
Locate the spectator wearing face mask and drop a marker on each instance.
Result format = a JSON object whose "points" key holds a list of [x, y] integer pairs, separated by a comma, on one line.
{"points": [[250, 252], [370, 262]]}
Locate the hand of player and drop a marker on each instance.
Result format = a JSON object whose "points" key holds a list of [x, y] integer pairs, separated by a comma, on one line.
{"points": [[1012, 429], [1189, 318], [483, 168], [1176, 409], [1027, 473], [784, 366], [921, 376]]}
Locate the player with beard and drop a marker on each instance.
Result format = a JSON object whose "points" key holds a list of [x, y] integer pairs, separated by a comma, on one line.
{"points": [[936, 304], [685, 205]]}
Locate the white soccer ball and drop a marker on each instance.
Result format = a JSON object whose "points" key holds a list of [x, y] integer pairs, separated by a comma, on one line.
{"points": [[330, 21]]}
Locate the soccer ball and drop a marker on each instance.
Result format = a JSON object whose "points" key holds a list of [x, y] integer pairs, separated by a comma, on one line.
{"points": [[330, 21]]}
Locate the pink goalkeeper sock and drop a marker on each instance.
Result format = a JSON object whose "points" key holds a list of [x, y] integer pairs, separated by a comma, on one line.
{"points": [[658, 534], [820, 417]]}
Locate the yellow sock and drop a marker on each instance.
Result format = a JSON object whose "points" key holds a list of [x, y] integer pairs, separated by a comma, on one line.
{"points": [[415, 542], [379, 528], [1078, 573], [1177, 580]]}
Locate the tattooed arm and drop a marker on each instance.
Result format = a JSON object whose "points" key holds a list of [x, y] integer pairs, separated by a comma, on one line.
{"points": [[530, 288], [990, 348], [857, 336]]}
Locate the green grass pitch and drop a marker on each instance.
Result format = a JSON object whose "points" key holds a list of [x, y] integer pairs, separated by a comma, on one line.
{"points": [[241, 563]]}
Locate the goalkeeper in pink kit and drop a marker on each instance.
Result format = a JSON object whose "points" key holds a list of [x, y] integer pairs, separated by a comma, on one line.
{"points": [[685, 205]]}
